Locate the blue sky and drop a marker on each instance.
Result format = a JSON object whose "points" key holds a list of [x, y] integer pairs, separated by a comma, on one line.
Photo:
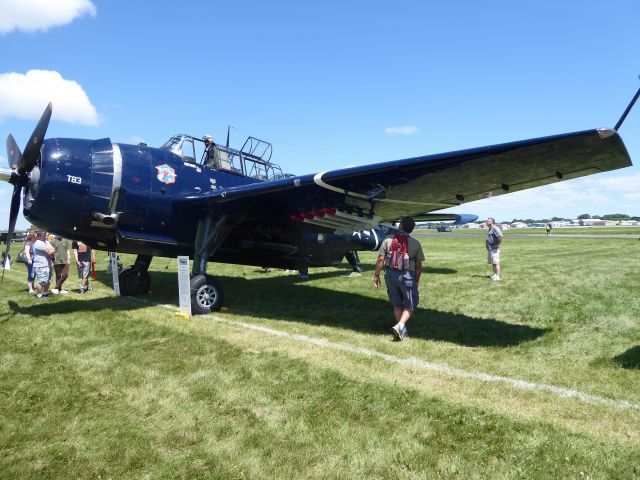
{"points": [[333, 84]]}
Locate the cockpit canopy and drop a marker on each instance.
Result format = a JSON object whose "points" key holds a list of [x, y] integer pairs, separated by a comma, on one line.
{"points": [[252, 160]]}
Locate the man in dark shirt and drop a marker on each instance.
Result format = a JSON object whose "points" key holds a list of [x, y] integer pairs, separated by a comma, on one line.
{"points": [[61, 262]]}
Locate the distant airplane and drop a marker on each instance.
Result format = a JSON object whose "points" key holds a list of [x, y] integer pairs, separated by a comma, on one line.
{"points": [[236, 206]]}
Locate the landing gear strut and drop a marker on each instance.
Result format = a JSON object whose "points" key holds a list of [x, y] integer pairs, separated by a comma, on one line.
{"points": [[206, 292], [135, 280]]}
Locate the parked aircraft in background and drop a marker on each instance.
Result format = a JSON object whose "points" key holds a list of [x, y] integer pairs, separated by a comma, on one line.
{"points": [[237, 206]]}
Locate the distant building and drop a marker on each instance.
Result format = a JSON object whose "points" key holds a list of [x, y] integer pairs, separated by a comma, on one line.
{"points": [[592, 222], [471, 225], [518, 225]]}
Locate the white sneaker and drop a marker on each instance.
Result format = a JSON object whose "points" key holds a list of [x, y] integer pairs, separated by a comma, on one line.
{"points": [[398, 332], [495, 278], [62, 290], [55, 291]]}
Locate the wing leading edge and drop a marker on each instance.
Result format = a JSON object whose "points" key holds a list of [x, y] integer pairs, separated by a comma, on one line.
{"points": [[420, 185]]}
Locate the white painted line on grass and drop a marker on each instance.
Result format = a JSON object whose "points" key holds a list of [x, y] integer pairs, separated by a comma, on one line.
{"points": [[440, 368], [418, 363], [430, 366]]}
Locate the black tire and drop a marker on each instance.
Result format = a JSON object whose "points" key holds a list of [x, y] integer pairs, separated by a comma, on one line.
{"points": [[207, 295], [134, 281]]}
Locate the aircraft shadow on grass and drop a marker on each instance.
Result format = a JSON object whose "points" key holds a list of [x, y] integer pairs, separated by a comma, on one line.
{"points": [[63, 306], [629, 359], [291, 299], [344, 273]]}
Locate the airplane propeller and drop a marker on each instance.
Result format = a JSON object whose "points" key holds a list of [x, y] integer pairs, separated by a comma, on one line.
{"points": [[13, 152], [22, 164]]}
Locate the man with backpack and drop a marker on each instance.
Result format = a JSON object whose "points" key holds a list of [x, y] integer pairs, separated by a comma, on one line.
{"points": [[402, 257]]}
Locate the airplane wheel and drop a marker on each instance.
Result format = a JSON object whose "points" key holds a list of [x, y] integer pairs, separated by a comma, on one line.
{"points": [[134, 281], [206, 295]]}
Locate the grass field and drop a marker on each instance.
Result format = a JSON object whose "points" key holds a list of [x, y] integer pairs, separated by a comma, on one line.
{"points": [[556, 231], [537, 376]]}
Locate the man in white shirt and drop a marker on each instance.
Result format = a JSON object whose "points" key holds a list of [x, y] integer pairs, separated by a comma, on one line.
{"points": [[494, 239], [42, 251]]}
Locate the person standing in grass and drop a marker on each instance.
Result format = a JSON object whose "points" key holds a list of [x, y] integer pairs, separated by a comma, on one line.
{"points": [[83, 256], [402, 257], [28, 260], [42, 251], [61, 262], [494, 239]]}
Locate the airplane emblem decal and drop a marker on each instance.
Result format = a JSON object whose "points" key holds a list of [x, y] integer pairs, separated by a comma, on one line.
{"points": [[166, 174]]}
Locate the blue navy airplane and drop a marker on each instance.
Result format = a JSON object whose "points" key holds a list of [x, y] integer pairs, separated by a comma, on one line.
{"points": [[218, 204]]}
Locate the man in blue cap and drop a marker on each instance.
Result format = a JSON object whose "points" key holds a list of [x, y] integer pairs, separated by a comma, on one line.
{"points": [[402, 257]]}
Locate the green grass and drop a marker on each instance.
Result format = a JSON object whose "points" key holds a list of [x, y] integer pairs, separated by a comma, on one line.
{"points": [[94, 386], [555, 231]]}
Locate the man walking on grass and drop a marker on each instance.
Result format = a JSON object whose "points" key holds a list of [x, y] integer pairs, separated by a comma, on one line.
{"points": [[402, 257], [494, 239]]}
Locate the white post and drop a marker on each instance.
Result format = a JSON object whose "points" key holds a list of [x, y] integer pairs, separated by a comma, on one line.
{"points": [[184, 286], [113, 258]]}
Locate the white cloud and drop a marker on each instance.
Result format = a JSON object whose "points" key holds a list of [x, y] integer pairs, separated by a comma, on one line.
{"points": [[594, 195], [41, 15], [632, 196], [623, 183], [405, 130], [26, 96]]}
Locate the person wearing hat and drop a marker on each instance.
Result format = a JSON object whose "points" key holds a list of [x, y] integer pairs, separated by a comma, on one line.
{"points": [[402, 257]]}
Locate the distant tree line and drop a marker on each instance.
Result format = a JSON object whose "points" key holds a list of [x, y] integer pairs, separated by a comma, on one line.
{"points": [[585, 216]]}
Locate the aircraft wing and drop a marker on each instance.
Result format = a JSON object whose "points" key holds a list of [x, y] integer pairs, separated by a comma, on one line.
{"points": [[415, 186]]}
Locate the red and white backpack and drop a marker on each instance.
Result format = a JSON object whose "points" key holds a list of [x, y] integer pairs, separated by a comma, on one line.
{"points": [[397, 255]]}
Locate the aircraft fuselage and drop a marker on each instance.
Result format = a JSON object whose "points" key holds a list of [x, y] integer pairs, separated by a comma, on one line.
{"points": [[125, 198]]}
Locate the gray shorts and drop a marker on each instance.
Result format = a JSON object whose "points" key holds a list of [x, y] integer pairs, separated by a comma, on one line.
{"points": [[42, 274], [84, 269], [402, 289], [493, 256]]}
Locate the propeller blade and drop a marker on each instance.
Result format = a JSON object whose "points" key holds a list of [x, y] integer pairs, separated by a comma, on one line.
{"points": [[31, 151], [13, 217], [13, 152]]}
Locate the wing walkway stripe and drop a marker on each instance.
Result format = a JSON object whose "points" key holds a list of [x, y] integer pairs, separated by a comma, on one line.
{"points": [[317, 178]]}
